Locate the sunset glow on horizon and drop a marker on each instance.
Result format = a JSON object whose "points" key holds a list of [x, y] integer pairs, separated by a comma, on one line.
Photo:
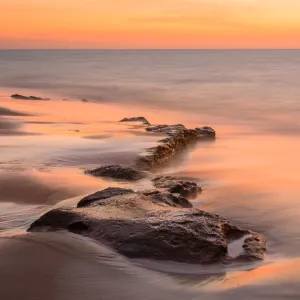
{"points": [[144, 24]]}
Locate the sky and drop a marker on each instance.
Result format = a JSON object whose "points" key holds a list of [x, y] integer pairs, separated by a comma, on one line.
{"points": [[146, 24]]}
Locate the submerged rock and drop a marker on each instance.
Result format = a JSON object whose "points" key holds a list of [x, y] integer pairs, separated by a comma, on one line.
{"points": [[136, 119], [175, 185], [117, 172], [146, 226], [17, 96]]}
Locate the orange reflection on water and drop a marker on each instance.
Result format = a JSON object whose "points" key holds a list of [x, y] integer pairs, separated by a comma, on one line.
{"points": [[280, 272]]}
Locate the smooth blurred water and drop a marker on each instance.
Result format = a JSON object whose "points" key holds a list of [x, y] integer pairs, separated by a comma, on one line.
{"points": [[250, 174], [257, 87]]}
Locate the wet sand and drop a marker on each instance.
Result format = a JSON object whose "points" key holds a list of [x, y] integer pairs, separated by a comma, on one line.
{"points": [[249, 176]]}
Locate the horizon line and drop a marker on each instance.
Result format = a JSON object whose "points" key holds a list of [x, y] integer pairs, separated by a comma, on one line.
{"points": [[140, 49]]}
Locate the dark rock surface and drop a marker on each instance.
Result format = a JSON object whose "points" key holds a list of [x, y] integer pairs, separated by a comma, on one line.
{"points": [[178, 139], [136, 119], [95, 198], [117, 172], [168, 199], [146, 226], [175, 185], [206, 131], [21, 97], [167, 129], [254, 248]]}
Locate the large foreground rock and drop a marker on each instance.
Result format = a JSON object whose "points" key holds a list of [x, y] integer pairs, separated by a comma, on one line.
{"points": [[142, 225]]}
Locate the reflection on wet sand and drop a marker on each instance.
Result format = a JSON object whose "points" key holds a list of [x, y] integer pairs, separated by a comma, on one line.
{"points": [[45, 188], [63, 266]]}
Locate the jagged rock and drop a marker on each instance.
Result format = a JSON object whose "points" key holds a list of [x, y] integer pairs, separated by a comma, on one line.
{"points": [[254, 248], [118, 172], [17, 96], [168, 129], [136, 119], [178, 139], [168, 199], [186, 189], [141, 226]]}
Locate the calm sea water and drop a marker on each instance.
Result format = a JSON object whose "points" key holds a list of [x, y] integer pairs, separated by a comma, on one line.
{"points": [[250, 174], [257, 87]]}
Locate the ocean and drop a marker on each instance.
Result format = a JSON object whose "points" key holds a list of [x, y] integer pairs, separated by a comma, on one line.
{"points": [[250, 174], [257, 87]]}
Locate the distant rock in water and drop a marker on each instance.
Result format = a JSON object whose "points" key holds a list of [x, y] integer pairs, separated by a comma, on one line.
{"points": [[175, 185], [206, 131], [136, 119], [117, 172], [154, 225], [84, 100], [21, 97]]}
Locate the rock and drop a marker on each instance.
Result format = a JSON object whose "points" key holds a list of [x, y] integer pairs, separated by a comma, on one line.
{"points": [[175, 185], [84, 100], [118, 172], [168, 129], [36, 98], [147, 226], [104, 194], [127, 195], [136, 119], [206, 131], [162, 198], [178, 140], [254, 247], [17, 96]]}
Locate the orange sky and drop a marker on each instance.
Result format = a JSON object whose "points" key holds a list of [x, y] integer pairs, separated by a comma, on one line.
{"points": [[150, 24]]}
